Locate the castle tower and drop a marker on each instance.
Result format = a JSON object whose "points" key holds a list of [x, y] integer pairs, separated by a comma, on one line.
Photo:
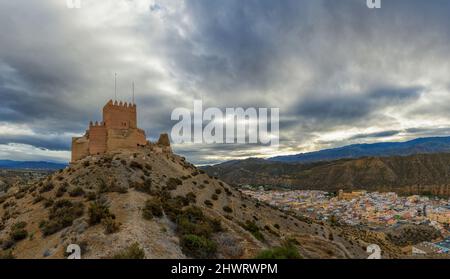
{"points": [[117, 131], [118, 115]]}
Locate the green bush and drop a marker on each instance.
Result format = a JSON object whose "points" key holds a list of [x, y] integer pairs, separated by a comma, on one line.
{"points": [[253, 228], [145, 187], [47, 188], [48, 203], [90, 195], [227, 209], [110, 225], [38, 199], [61, 215], [173, 183], [287, 251], [133, 252], [269, 229], [136, 165], [152, 208], [208, 203], [172, 208], [77, 192], [97, 212], [102, 187], [191, 197], [193, 221], [18, 231], [61, 190], [198, 246]]}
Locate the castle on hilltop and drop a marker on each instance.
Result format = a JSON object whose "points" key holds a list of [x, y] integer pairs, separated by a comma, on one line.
{"points": [[117, 131]]}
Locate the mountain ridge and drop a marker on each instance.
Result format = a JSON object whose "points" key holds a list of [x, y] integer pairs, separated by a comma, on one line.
{"points": [[426, 174], [40, 165], [428, 145]]}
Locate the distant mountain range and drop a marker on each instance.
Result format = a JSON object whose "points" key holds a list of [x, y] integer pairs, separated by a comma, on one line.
{"points": [[420, 166], [385, 149], [9, 164], [425, 174]]}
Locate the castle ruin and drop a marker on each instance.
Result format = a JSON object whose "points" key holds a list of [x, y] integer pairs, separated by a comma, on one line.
{"points": [[117, 131]]}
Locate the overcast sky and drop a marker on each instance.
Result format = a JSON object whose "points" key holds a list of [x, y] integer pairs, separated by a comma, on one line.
{"points": [[339, 72]]}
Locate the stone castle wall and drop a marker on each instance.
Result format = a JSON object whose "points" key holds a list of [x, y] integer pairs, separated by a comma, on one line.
{"points": [[97, 138], [80, 148], [118, 130]]}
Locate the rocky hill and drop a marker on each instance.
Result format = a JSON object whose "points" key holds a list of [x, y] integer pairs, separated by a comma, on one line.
{"points": [[154, 204], [426, 174]]}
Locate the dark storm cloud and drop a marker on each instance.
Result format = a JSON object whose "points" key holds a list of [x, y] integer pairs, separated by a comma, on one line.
{"points": [[56, 142], [328, 65], [375, 135], [351, 107]]}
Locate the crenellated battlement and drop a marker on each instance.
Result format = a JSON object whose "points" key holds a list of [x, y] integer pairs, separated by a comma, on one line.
{"points": [[97, 124], [120, 105]]}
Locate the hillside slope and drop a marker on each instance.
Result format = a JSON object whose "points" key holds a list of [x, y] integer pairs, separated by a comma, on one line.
{"points": [[109, 202], [417, 174]]}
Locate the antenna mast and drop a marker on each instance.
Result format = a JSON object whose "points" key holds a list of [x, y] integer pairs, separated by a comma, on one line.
{"points": [[115, 86], [133, 93]]}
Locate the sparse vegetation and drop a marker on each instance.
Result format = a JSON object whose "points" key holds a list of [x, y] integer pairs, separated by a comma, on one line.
{"points": [[253, 228], [38, 199], [61, 215], [136, 165], [47, 188], [287, 251], [270, 230], [110, 225], [412, 234], [77, 192], [152, 208], [173, 183], [145, 187], [132, 252], [97, 212], [191, 197], [227, 209], [18, 231], [197, 246], [195, 230], [208, 203], [61, 190]]}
